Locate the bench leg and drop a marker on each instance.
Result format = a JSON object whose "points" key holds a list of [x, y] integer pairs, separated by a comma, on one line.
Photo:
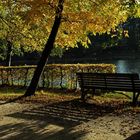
{"points": [[83, 94], [93, 90], [135, 98]]}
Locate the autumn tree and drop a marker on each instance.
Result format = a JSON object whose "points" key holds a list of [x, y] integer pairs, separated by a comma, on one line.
{"points": [[16, 34], [69, 21]]}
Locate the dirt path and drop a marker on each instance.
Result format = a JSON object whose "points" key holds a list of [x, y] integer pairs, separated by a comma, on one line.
{"points": [[29, 121]]}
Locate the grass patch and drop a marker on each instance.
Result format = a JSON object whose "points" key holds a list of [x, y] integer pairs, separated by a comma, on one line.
{"points": [[11, 91], [118, 95], [55, 96], [41, 96]]}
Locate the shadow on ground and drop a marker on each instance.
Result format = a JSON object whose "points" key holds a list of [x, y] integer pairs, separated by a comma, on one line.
{"points": [[135, 136], [56, 121]]}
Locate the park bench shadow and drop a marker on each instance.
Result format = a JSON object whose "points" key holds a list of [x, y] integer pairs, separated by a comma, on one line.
{"points": [[69, 111], [65, 114], [51, 122]]}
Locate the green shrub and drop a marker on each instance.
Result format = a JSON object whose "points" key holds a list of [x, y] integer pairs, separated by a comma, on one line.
{"points": [[53, 76]]}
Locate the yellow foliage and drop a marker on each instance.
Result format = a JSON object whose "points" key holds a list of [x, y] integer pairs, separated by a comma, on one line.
{"points": [[34, 20]]}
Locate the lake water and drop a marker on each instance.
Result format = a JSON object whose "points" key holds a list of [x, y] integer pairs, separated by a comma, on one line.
{"points": [[126, 66]]}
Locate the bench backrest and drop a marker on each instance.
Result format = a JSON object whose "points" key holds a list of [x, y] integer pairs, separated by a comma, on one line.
{"points": [[116, 81]]}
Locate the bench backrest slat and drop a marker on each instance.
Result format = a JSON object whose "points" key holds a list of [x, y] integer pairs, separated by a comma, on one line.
{"points": [[109, 80]]}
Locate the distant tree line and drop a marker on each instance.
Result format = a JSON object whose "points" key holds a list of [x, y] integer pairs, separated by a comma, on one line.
{"points": [[126, 36]]}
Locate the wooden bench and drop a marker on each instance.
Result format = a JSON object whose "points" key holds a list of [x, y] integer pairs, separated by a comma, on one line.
{"points": [[109, 81]]}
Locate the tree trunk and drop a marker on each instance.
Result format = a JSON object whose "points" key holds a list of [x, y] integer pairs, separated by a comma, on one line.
{"points": [[9, 53], [46, 52]]}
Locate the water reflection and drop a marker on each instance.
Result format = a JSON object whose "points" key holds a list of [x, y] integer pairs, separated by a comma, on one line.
{"points": [[126, 66], [122, 66]]}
